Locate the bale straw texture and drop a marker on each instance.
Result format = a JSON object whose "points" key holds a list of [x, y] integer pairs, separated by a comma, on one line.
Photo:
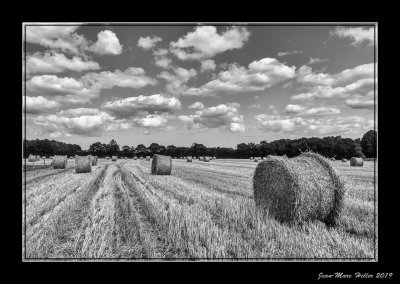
{"points": [[113, 158], [344, 160], [94, 160], [201, 158], [135, 158], [60, 162], [356, 162], [206, 159], [161, 165], [302, 188], [147, 158], [189, 159], [83, 164]]}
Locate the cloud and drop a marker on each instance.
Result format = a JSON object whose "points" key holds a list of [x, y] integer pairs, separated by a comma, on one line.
{"points": [[207, 65], [88, 87], [74, 112], [357, 35], [196, 105], [151, 120], [311, 126], [107, 43], [37, 105], [53, 62], [148, 42], [360, 103], [147, 132], [65, 39], [310, 111], [225, 116], [254, 106], [259, 75], [317, 60], [176, 82], [205, 42], [356, 81], [142, 106], [285, 53]]}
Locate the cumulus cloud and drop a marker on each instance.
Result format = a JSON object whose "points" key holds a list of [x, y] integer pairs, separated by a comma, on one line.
{"points": [[196, 105], [206, 42], [285, 53], [259, 75], [66, 39], [142, 105], [176, 82], [37, 105], [317, 60], [107, 43], [83, 90], [357, 35], [225, 116], [151, 121], [310, 111], [207, 65], [53, 62], [360, 103], [148, 42]]}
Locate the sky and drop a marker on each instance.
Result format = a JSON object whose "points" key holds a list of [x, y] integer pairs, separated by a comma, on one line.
{"points": [[180, 84]]}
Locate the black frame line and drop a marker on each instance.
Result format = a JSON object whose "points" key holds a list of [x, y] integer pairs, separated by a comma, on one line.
{"points": [[196, 24]]}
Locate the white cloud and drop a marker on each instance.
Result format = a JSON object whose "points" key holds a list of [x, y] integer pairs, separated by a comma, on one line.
{"points": [[176, 82], [107, 43], [151, 120], [74, 112], [36, 105], [254, 106], [310, 111], [360, 103], [205, 42], [142, 106], [317, 60], [207, 65], [224, 116], [196, 105], [259, 75], [357, 35], [148, 42], [285, 53], [56, 63]]}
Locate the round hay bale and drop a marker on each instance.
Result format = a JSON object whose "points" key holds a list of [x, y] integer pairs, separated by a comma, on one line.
{"points": [[147, 158], [264, 158], [113, 158], [83, 164], [188, 159], [135, 158], [141, 158], [31, 158], [302, 188], [344, 160], [161, 165], [206, 159], [124, 158], [108, 158], [60, 162], [256, 159], [214, 158], [201, 158], [94, 160], [356, 162], [251, 158]]}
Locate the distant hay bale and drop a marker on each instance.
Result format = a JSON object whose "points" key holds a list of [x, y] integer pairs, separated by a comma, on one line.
{"points": [[302, 188], [83, 164], [264, 158], [214, 158], [256, 159], [94, 160], [356, 162], [147, 158], [107, 158], [211, 158], [161, 165], [31, 158], [124, 158], [141, 158], [201, 158], [251, 158], [344, 160], [113, 158], [60, 162], [188, 159], [135, 158], [206, 159]]}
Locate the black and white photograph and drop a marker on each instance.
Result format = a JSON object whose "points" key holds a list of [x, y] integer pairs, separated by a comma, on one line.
{"points": [[200, 141]]}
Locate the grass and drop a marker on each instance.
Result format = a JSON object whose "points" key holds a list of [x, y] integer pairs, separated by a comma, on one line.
{"points": [[201, 210]]}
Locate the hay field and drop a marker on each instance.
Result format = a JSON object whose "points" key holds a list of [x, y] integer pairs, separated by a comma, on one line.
{"points": [[202, 210]]}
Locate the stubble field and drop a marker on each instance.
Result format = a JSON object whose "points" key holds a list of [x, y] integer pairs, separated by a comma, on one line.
{"points": [[202, 210]]}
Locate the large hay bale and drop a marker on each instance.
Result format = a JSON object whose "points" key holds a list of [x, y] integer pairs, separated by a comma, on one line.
{"points": [[161, 165], [201, 158], [147, 158], [94, 160], [83, 164], [188, 159], [356, 162], [302, 188], [60, 162], [135, 158], [344, 160], [113, 158], [206, 159]]}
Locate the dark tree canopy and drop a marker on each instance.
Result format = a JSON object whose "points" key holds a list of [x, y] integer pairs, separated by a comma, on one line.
{"points": [[368, 144]]}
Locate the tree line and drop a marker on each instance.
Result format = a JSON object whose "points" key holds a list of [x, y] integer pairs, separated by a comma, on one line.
{"points": [[332, 146]]}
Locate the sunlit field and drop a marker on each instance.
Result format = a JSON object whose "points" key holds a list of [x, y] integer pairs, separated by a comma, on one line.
{"points": [[202, 210]]}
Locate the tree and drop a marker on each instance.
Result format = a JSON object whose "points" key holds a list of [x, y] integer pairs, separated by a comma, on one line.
{"points": [[368, 144], [126, 151], [154, 148], [98, 149], [112, 148]]}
